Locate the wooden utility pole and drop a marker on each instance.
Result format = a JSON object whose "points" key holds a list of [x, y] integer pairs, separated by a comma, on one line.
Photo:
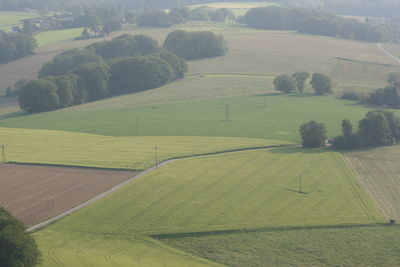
{"points": [[227, 113], [300, 191], [137, 126]]}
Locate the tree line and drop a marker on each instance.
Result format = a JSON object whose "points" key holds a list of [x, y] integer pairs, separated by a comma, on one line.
{"points": [[309, 21], [75, 77], [16, 45], [155, 17], [320, 82], [377, 128]]}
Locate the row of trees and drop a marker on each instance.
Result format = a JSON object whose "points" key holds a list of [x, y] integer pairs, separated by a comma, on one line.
{"points": [[76, 77], [17, 248], [378, 128], [313, 22], [15, 45], [155, 17], [195, 45], [321, 83], [386, 97]]}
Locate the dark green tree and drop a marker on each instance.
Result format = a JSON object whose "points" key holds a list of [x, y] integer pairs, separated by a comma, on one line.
{"points": [[17, 248], [313, 134], [284, 83], [94, 79], [300, 79], [374, 129], [321, 83], [38, 96], [347, 128]]}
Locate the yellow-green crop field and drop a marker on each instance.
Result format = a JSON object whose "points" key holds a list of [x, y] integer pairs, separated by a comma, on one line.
{"points": [[241, 190], [76, 149]]}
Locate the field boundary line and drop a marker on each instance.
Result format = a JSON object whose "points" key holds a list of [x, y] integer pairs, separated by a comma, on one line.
{"points": [[139, 175], [227, 74]]}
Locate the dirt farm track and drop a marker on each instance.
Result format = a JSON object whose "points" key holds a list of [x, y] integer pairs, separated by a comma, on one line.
{"points": [[35, 193]]}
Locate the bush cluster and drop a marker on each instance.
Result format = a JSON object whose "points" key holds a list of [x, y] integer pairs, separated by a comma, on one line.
{"points": [[321, 83]]}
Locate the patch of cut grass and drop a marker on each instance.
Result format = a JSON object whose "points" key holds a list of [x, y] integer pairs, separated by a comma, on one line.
{"points": [[51, 37], [359, 246]]}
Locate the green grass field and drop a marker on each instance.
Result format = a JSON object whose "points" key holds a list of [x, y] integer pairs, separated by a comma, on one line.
{"points": [[52, 37], [10, 19], [378, 171], [359, 246], [241, 190], [239, 8], [279, 120], [66, 148]]}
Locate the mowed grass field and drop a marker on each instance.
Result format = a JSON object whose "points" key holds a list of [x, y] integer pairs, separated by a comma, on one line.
{"points": [[358, 246], [379, 173], [75, 149], [242, 190], [10, 19], [52, 37], [279, 119]]}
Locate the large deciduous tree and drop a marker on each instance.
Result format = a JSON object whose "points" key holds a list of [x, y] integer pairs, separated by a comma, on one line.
{"points": [[284, 83], [17, 248], [313, 134], [39, 95], [321, 83], [300, 79]]}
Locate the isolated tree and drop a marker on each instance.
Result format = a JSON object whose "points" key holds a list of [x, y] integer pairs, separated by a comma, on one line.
{"points": [[17, 248], [394, 79], [300, 79], [284, 83], [38, 96], [321, 83], [313, 134]]}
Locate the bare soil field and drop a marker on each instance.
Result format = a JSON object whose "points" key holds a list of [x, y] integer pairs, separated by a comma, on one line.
{"points": [[35, 193]]}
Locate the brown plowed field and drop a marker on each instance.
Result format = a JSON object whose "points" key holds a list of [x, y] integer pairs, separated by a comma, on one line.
{"points": [[35, 193]]}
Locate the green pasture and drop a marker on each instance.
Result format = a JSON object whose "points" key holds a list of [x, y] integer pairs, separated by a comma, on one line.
{"points": [[278, 119], [242, 190], [51, 37], [358, 246], [76, 149], [10, 19]]}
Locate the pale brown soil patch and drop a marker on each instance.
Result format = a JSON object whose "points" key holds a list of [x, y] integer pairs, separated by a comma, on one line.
{"points": [[35, 193]]}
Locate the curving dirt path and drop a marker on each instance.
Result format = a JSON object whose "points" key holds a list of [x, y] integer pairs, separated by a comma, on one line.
{"points": [[143, 173], [380, 47]]}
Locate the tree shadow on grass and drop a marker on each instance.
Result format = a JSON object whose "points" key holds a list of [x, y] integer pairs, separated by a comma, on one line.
{"points": [[12, 115], [298, 149]]}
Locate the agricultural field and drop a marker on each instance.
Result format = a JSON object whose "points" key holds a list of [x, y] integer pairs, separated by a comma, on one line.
{"points": [[242, 190], [35, 193], [378, 170], [52, 37], [278, 119], [137, 153], [10, 19], [239, 8], [355, 246]]}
